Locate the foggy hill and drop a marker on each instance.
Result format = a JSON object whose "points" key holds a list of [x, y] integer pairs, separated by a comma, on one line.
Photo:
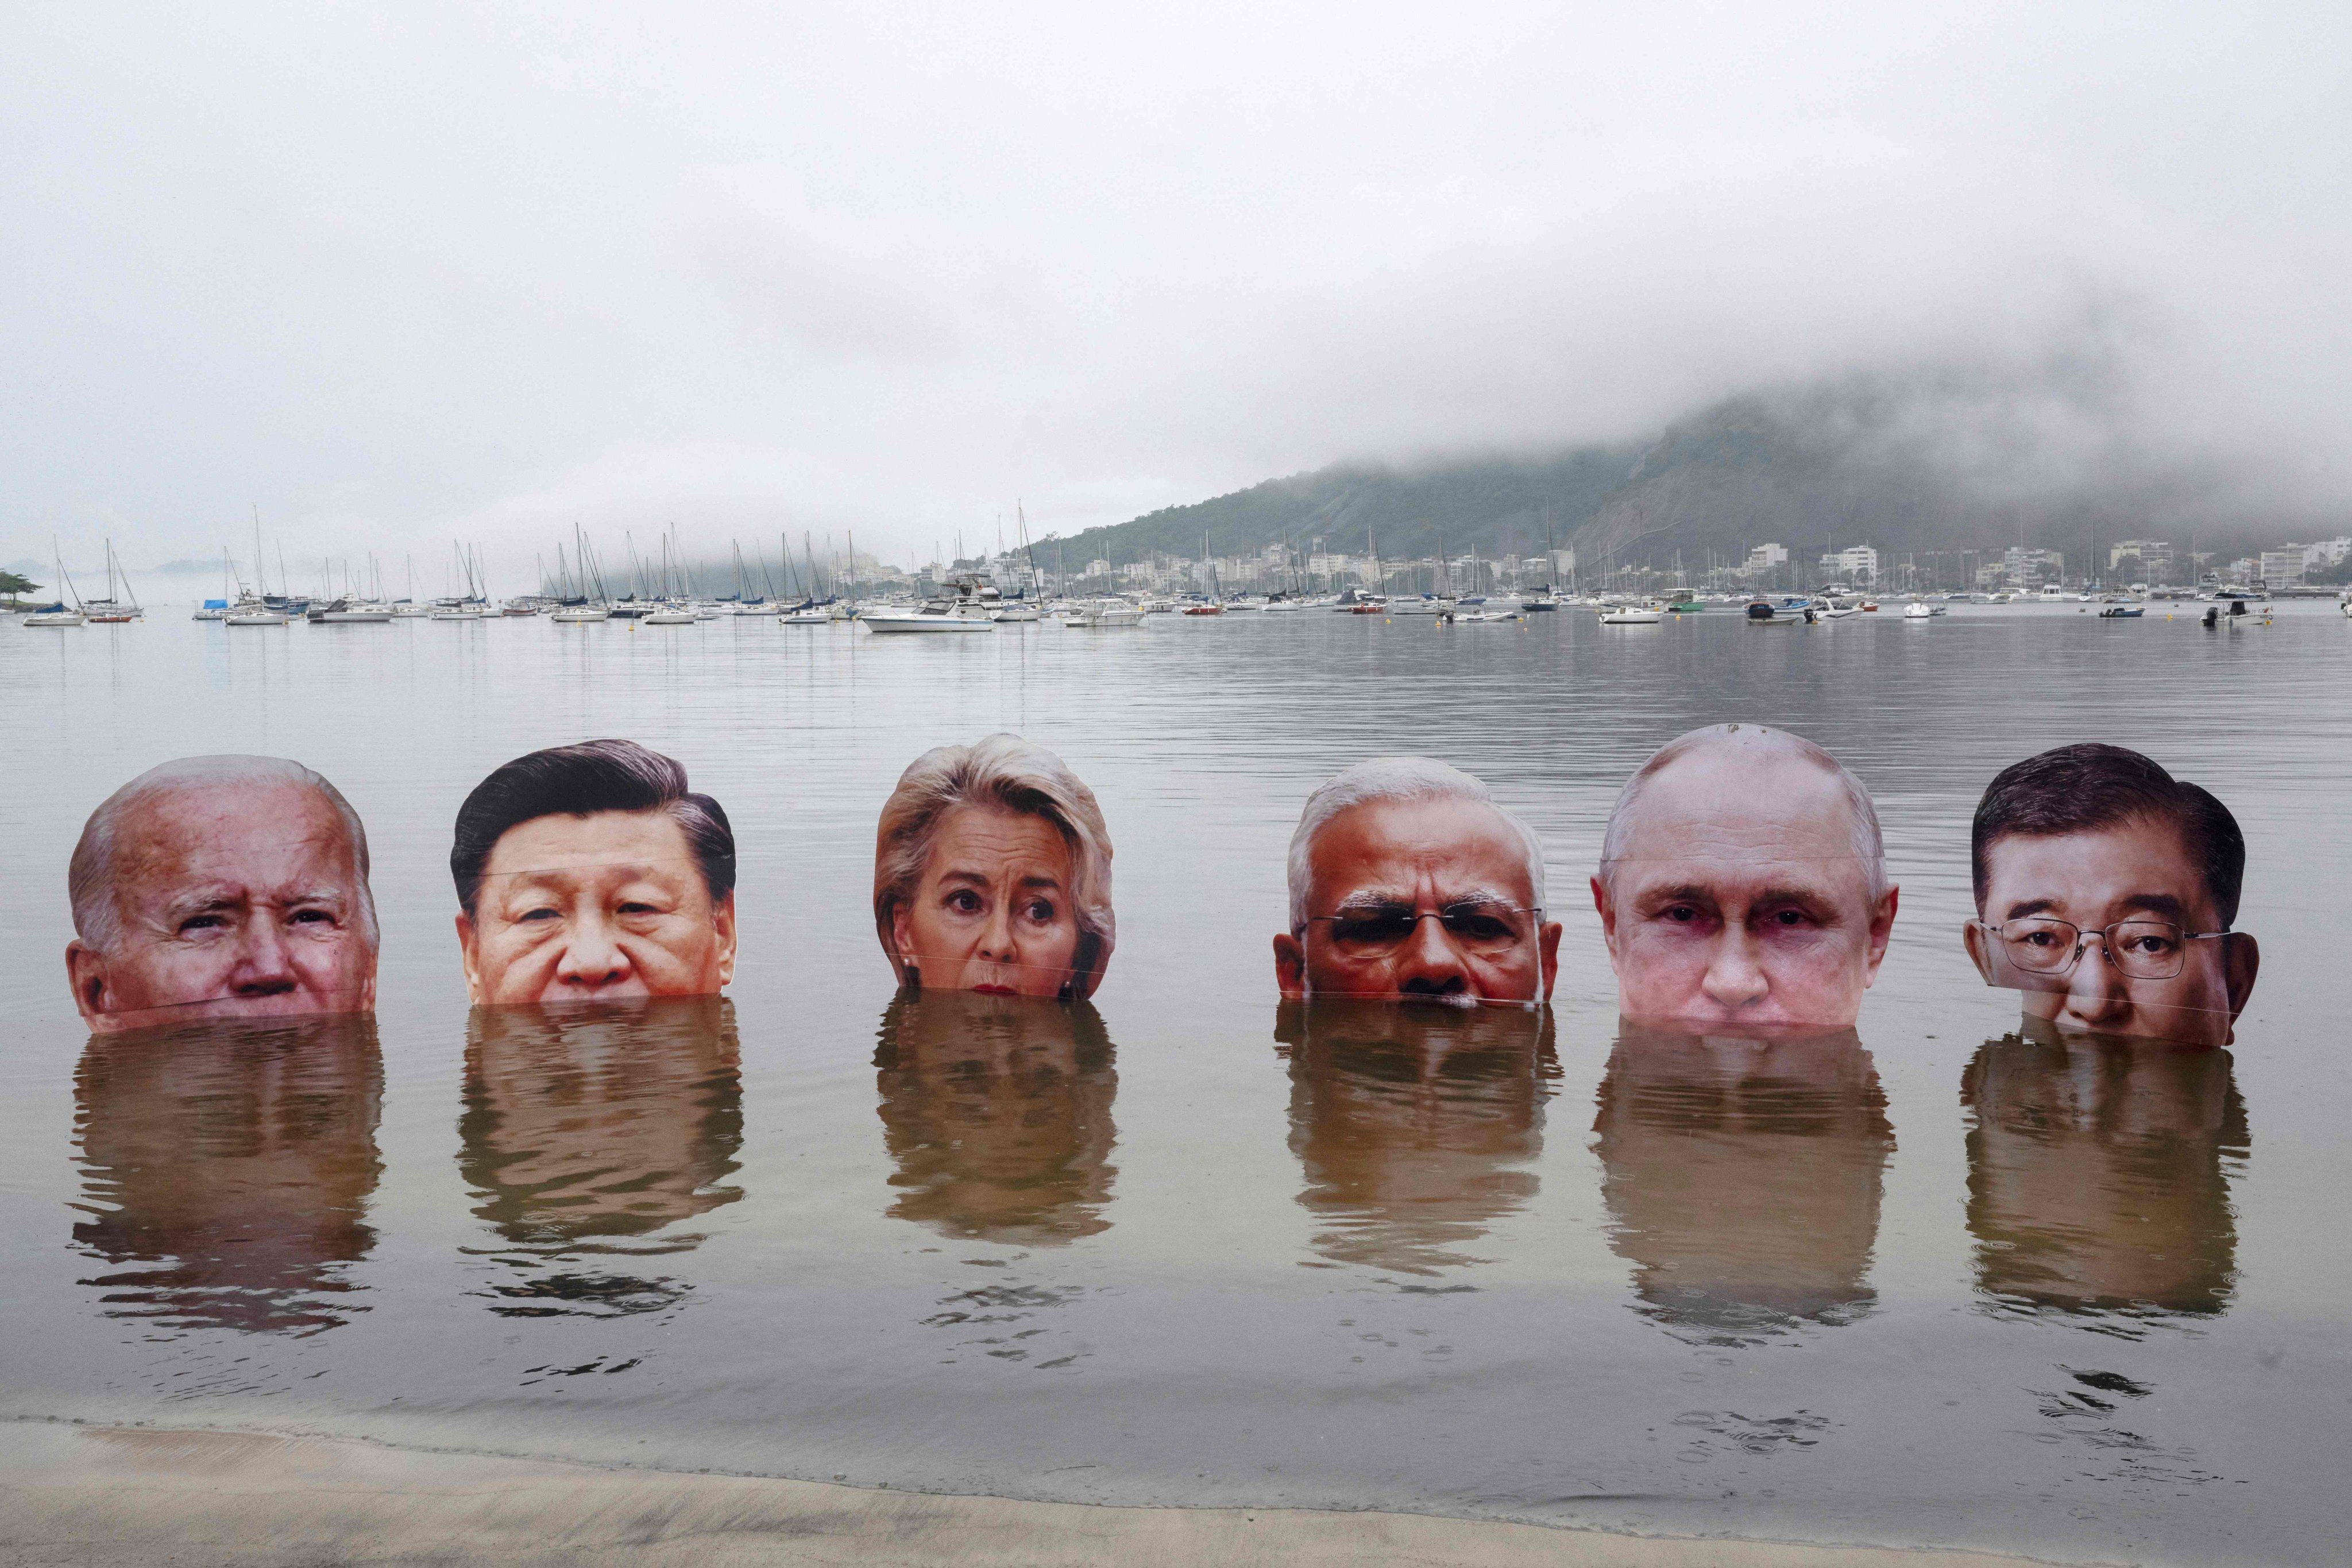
{"points": [[1926, 463]]}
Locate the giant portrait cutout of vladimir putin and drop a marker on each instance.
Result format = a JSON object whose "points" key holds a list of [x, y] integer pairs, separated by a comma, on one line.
{"points": [[224, 887], [1743, 885]]}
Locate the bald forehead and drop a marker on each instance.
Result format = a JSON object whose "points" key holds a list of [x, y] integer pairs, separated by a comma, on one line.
{"points": [[1740, 798], [182, 823]]}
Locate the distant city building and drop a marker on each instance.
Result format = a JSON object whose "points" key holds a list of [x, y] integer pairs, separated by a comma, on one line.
{"points": [[1858, 563], [2282, 568], [2326, 553], [2245, 569], [2155, 557], [2031, 568], [1763, 560], [1097, 568]]}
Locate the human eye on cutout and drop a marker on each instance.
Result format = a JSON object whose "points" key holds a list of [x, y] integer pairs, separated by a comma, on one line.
{"points": [[963, 901]]}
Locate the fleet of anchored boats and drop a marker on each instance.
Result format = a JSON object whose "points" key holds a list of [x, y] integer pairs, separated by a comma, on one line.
{"points": [[660, 593]]}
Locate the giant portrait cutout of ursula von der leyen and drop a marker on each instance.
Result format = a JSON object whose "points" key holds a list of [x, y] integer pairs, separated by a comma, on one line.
{"points": [[590, 872], [992, 874], [2105, 892], [222, 886]]}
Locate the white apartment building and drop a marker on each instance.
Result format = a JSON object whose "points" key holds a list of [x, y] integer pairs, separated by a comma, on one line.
{"points": [[2282, 568], [2030, 568], [1856, 562], [2155, 556], [1761, 560]]}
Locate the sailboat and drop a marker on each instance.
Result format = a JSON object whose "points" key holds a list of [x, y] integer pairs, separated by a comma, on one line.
{"points": [[112, 610], [217, 609], [57, 615], [1213, 605]]}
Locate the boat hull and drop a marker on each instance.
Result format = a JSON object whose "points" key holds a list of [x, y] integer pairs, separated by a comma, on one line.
{"points": [[925, 625]]}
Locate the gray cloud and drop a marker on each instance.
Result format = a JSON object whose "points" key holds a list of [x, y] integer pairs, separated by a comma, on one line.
{"points": [[409, 275]]}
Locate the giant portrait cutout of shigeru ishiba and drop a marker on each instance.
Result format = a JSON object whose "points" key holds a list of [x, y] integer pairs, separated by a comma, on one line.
{"points": [[1409, 883], [590, 873], [992, 874], [1743, 885], [2106, 891], [221, 887]]}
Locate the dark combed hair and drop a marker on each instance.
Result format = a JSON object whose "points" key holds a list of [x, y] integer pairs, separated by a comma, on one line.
{"points": [[578, 781], [2087, 788]]}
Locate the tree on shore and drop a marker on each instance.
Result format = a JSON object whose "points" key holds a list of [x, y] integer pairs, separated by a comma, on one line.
{"points": [[10, 583]]}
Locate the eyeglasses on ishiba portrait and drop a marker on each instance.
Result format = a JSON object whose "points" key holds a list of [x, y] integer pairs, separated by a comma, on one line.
{"points": [[2050, 948]]}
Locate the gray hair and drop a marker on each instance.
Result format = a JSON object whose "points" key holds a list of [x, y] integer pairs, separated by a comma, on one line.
{"points": [[1400, 778], [91, 874], [1013, 775], [1869, 843]]}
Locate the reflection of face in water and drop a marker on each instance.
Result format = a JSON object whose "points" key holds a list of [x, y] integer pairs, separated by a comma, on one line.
{"points": [[2098, 1174], [592, 1132], [227, 1168], [1743, 1176], [997, 1115], [1414, 1127]]}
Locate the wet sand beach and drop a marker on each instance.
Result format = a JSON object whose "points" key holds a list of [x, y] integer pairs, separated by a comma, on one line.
{"points": [[101, 1496]]}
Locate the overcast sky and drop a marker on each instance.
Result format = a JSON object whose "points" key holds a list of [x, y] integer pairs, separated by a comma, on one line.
{"points": [[403, 274]]}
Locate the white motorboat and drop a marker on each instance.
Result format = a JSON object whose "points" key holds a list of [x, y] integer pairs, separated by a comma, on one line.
{"points": [[455, 613], [1016, 612], [964, 608], [1920, 610], [256, 615], [1632, 615], [1425, 604], [1103, 614], [340, 612], [1283, 607], [937, 615], [579, 614], [1487, 618], [670, 615]]}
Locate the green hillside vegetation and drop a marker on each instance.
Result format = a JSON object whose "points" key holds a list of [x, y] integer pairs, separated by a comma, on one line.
{"points": [[1859, 462]]}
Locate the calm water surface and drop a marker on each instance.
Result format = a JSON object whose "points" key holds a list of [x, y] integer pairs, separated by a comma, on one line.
{"points": [[1929, 1282]]}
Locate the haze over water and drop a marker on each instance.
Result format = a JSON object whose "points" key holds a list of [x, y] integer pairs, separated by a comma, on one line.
{"points": [[1930, 1284]]}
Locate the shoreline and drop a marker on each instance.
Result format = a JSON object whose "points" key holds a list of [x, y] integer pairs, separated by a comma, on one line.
{"points": [[98, 1496]]}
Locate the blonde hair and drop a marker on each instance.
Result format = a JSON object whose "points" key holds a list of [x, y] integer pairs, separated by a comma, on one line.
{"points": [[1009, 774]]}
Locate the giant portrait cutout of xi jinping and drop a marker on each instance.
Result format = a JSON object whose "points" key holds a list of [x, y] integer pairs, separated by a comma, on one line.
{"points": [[590, 873], [221, 887]]}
